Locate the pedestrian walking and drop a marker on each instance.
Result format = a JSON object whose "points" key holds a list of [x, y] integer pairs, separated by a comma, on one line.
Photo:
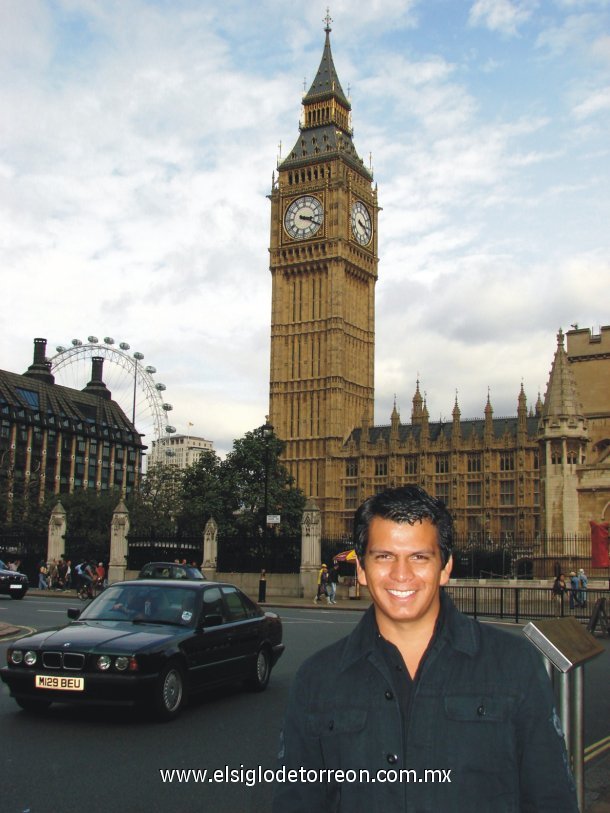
{"points": [[558, 591], [333, 581], [322, 585], [583, 583], [574, 591], [43, 573]]}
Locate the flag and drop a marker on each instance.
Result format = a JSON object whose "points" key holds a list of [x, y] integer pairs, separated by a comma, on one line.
{"points": [[599, 544]]}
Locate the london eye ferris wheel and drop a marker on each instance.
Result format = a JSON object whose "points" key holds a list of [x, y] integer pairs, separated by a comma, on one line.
{"points": [[130, 381]]}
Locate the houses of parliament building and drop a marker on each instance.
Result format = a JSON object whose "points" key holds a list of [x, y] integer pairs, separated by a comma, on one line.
{"points": [[546, 470]]}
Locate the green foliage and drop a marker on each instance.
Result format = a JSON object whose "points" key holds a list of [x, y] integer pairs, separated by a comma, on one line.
{"points": [[89, 517], [259, 481], [155, 507], [237, 492], [203, 493]]}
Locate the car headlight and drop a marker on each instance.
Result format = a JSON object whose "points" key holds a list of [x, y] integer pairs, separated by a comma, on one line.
{"points": [[121, 663], [16, 656], [30, 658], [104, 662]]}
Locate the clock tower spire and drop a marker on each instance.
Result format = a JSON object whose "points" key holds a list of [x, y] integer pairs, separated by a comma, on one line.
{"points": [[323, 262]]}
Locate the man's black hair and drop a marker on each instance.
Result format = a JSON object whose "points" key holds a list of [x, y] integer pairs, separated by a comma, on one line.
{"points": [[407, 504]]}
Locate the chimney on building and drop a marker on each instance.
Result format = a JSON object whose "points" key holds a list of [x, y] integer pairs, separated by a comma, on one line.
{"points": [[96, 386], [40, 369]]}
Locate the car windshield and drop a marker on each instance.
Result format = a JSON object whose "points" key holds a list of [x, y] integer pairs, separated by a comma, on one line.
{"points": [[144, 604]]}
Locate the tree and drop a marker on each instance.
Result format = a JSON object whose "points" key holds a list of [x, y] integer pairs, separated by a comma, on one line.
{"points": [[261, 484], [89, 515], [203, 493], [156, 506]]}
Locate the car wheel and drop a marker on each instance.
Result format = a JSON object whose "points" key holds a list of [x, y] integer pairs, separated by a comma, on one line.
{"points": [[17, 595], [169, 692], [261, 671], [32, 705]]}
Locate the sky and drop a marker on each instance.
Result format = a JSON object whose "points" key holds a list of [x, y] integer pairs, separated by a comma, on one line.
{"points": [[137, 145]]}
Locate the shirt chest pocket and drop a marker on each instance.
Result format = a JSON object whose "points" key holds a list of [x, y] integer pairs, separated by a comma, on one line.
{"points": [[480, 735], [478, 708], [336, 722], [341, 733]]}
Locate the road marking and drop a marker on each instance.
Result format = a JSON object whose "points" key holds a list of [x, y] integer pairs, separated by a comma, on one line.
{"points": [[22, 631], [61, 612], [597, 748]]}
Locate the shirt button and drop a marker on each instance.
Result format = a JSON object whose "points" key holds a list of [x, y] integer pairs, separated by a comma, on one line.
{"points": [[392, 759], [481, 711], [331, 725], [389, 695]]}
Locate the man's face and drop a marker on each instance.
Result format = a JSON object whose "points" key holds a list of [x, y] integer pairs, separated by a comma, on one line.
{"points": [[403, 572]]}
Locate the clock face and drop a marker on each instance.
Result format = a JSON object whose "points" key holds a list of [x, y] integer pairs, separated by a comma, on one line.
{"points": [[304, 217], [362, 228]]}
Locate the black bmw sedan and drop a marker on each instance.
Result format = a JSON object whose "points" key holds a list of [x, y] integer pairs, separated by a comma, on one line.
{"points": [[149, 643]]}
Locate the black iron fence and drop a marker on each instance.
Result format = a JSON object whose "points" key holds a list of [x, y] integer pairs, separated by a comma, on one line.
{"points": [[519, 603], [30, 548], [278, 553], [144, 548], [79, 548]]}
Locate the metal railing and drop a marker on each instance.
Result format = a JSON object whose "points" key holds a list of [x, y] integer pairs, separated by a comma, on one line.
{"points": [[518, 603]]}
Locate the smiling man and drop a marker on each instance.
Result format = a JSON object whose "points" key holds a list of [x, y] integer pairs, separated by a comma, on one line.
{"points": [[420, 708]]}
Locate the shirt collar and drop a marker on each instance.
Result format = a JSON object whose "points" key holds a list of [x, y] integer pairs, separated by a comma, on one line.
{"points": [[460, 632]]}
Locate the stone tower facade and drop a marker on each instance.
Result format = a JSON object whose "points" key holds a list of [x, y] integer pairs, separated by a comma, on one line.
{"points": [[323, 262], [544, 472], [563, 437]]}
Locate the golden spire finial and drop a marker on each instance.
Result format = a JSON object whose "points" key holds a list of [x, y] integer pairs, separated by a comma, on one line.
{"points": [[328, 20]]}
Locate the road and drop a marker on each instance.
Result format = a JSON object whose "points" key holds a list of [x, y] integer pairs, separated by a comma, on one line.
{"points": [[101, 759], [106, 759]]}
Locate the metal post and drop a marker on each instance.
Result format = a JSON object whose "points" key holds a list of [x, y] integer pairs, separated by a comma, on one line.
{"points": [[578, 734], [267, 432], [565, 708]]}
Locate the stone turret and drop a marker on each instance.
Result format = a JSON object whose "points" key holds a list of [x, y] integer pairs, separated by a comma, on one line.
{"points": [[563, 437], [417, 411]]}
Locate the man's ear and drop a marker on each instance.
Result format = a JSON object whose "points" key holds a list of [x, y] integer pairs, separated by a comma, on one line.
{"points": [[360, 573], [446, 572]]}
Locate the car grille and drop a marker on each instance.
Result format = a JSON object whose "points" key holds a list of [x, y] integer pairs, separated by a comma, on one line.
{"points": [[71, 661]]}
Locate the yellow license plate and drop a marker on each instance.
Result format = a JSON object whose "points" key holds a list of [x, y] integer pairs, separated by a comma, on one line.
{"points": [[60, 683]]}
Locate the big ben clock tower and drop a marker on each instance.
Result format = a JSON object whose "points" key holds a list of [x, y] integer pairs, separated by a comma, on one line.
{"points": [[323, 262]]}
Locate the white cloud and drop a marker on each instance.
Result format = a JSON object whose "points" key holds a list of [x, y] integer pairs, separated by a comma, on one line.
{"points": [[596, 102], [138, 154], [504, 16]]}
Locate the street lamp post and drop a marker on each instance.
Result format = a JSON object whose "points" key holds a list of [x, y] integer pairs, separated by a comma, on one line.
{"points": [[267, 434]]}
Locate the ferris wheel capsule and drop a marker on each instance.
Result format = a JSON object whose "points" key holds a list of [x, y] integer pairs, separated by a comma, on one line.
{"points": [[170, 430], [150, 369], [108, 340], [92, 339], [167, 407], [60, 348], [124, 346], [161, 387], [77, 342]]}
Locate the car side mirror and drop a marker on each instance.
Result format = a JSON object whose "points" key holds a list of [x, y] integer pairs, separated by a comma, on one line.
{"points": [[212, 620], [74, 612]]}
